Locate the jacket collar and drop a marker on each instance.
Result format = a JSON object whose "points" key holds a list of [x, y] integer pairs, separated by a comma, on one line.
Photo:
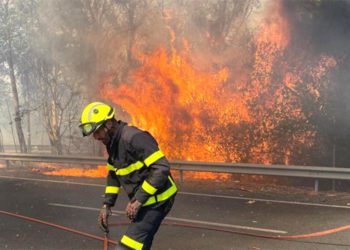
{"points": [[117, 134]]}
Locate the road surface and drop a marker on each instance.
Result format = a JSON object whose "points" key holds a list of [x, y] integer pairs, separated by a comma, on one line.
{"points": [[75, 202]]}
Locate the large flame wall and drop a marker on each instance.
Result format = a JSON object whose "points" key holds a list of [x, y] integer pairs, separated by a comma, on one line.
{"points": [[209, 115]]}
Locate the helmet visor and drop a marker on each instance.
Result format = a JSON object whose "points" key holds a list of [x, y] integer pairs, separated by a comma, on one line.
{"points": [[90, 127]]}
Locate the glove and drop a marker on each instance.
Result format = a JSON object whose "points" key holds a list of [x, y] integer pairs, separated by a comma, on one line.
{"points": [[132, 209], [105, 212]]}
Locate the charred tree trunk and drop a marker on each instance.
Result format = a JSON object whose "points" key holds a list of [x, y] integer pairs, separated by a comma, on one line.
{"points": [[11, 125], [54, 129], [18, 119], [51, 113], [25, 80], [56, 143]]}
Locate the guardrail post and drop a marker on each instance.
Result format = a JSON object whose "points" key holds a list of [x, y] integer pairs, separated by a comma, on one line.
{"points": [[316, 185], [333, 185], [181, 176]]}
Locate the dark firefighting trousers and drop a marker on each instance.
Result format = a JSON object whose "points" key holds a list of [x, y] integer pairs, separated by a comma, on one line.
{"points": [[140, 233]]}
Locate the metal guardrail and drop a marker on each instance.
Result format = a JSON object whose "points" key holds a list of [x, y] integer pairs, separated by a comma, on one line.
{"points": [[52, 158], [232, 168]]}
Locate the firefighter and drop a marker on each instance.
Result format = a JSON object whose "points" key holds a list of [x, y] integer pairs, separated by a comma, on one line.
{"points": [[136, 164]]}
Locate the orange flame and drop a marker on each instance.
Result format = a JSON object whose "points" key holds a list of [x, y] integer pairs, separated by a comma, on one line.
{"points": [[56, 170], [203, 176], [214, 115], [176, 103], [196, 115]]}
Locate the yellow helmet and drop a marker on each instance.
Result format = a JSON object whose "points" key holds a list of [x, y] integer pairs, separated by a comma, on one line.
{"points": [[94, 116]]}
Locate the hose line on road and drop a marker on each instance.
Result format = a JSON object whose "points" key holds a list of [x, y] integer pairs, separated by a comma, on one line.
{"points": [[105, 242], [301, 236], [104, 239], [168, 222]]}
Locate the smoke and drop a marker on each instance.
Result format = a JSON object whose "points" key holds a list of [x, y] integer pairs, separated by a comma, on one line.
{"points": [[322, 28], [302, 45], [323, 24]]}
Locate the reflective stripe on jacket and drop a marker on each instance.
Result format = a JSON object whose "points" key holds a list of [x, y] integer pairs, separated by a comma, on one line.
{"points": [[136, 164]]}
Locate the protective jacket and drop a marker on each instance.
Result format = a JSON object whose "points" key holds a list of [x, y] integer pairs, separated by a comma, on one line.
{"points": [[136, 164]]}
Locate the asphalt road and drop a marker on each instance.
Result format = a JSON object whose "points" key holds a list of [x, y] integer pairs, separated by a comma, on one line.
{"points": [[76, 205]]}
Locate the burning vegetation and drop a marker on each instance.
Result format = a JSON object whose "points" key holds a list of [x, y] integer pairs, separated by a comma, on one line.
{"points": [[64, 170], [227, 81], [255, 114]]}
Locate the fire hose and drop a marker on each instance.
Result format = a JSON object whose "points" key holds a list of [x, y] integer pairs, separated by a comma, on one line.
{"points": [[107, 241]]}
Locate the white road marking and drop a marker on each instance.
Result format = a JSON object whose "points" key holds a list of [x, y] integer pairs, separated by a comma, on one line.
{"points": [[51, 181], [189, 193], [265, 200], [207, 223]]}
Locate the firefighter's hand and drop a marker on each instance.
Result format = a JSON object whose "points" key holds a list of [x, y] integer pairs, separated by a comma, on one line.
{"points": [[132, 209], [105, 212]]}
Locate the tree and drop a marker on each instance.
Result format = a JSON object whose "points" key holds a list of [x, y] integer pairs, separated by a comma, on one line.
{"points": [[13, 46]]}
